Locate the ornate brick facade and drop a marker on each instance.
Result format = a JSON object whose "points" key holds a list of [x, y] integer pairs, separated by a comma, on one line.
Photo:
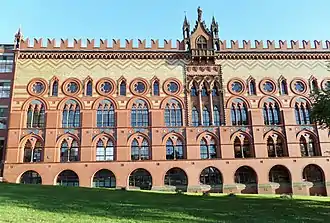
{"points": [[198, 116]]}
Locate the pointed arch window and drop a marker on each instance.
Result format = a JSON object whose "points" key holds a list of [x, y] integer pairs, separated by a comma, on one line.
{"points": [[105, 114], [194, 117], [55, 88], [252, 87], [156, 88], [174, 151], [71, 115], [104, 151], [314, 86], [302, 113], [243, 150], [206, 117], [89, 88], [36, 115], [239, 113], [193, 91], [69, 151], [216, 114], [308, 147], [201, 42], [140, 114], [140, 151], [271, 113], [33, 153], [275, 149], [284, 87], [215, 91], [122, 88], [173, 113], [208, 150], [204, 91]]}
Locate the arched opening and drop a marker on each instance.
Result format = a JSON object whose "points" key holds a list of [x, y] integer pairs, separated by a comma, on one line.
{"points": [[68, 178], [89, 89], [104, 178], [176, 178], [314, 174], [284, 87], [30, 177], [55, 89], [201, 42], [276, 148], [140, 179], [212, 176], [122, 88], [156, 88], [247, 176], [281, 175]]}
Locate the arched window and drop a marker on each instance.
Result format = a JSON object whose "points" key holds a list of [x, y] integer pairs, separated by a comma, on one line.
{"points": [[89, 88], [208, 149], [216, 114], [33, 152], [30, 177], [176, 177], [156, 88], [284, 87], [140, 178], [140, 114], [215, 91], [68, 178], [69, 151], [213, 177], [314, 86], [201, 42], [271, 113], [302, 112], [173, 113], [243, 150], [204, 91], [174, 151], [239, 113], [275, 149], [194, 117], [105, 114], [55, 88], [252, 87], [122, 88], [206, 117], [71, 114], [193, 91], [36, 115], [308, 147], [104, 150], [140, 151]]}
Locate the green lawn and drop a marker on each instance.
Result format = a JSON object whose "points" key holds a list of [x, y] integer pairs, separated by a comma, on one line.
{"points": [[30, 203]]}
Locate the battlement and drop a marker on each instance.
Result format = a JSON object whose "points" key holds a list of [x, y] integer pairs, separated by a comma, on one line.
{"points": [[129, 45], [38, 44]]}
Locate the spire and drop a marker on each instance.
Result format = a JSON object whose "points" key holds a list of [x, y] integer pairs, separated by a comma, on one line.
{"points": [[199, 12], [213, 20], [18, 38], [185, 22]]}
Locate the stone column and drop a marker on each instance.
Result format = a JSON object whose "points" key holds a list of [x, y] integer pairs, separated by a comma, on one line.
{"points": [[200, 107], [211, 107]]}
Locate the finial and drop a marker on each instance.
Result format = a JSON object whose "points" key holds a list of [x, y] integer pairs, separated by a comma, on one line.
{"points": [[185, 22], [18, 37], [213, 20], [200, 12]]}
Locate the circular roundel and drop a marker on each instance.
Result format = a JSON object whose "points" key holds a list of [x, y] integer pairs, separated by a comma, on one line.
{"points": [[267, 86], [325, 85], [139, 86], [172, 86], [105, 86], [236, 86], [37, 87], [72, 86], [298, 86]]}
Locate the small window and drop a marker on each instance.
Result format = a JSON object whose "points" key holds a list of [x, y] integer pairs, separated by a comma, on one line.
{"points": [[156, 88], [55, 89], [201, 42], [89, 89], [122, 90]]}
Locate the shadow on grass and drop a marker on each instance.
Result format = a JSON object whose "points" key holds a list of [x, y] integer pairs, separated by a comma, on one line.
{"points": [[162, 207]]}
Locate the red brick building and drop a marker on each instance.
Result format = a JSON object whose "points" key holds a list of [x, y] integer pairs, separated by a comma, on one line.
{"points": [[204, 114]]}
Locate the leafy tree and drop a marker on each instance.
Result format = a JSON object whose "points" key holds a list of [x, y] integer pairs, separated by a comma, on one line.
{"points": [[320, 112]]}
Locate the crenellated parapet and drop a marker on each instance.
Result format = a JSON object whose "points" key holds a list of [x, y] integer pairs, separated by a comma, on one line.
{"points": [[169, 45], [52, 44]]}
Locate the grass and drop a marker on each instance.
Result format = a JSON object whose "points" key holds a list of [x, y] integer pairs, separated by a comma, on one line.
{"points": [[33, 203]]}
